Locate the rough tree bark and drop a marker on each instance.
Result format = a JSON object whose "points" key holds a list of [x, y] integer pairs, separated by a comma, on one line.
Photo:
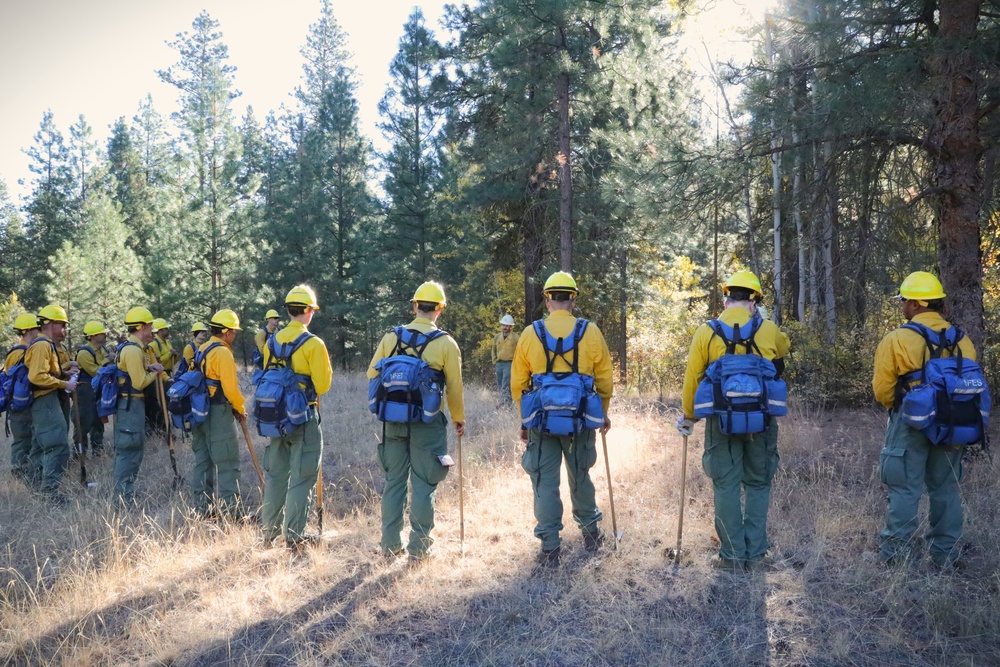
{"points": [[956, 153]]}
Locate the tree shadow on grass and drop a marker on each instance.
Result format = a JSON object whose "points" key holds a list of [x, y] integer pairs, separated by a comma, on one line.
{"points": [[282, 640], [114, 621]]}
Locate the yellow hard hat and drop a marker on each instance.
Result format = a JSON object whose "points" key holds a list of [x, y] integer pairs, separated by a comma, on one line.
{"points": [[159, 324], [302, 295], [226, 319], [25, 321], [272, 314], [430, 292], [922, 287], [198, 326], [745, 279], [560, 281], [137, 316], [93, 328], [53, 313]]}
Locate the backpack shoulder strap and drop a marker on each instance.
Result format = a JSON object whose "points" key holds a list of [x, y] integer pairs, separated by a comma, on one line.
{"points": [[42, 340], [411, 339], [578, 331], [201, 356], [730, 335], [931, 338], [299, 342], [23, 348], [756, 322], [543, 337], [283, 354]]}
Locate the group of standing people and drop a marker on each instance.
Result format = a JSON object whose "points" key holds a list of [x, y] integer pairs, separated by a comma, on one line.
{"points": [[413, 452]]}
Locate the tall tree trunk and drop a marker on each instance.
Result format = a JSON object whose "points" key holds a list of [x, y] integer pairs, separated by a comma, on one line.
{"points": [[623, 317], [800, 236], [565, 177], [830, 204], [955, 170], [534, 255], [754, 264], [813, 237], [775, 191]]}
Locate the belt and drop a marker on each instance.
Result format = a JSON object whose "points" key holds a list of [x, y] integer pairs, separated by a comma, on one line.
{"points": [[139, 396], [218, 399]]}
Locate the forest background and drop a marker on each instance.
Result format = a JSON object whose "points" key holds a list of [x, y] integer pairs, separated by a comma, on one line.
{"points": [[860, 143]]}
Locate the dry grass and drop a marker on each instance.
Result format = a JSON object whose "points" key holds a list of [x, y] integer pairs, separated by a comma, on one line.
{"points": [[88, 586]]}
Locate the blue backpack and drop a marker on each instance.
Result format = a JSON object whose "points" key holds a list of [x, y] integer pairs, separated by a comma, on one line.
{"points": [[187, 399], [407, 390], [21, 397], [84, 376], [279, 403], [566, 402], [950, 401], [182, 365], [9, 377], [257, 358], [106, 386], [743, 390]]}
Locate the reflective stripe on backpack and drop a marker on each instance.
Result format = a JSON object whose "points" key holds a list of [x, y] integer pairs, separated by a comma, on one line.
{"points": [[406, 389], [947, 399], [740, 388], [565, 402]]}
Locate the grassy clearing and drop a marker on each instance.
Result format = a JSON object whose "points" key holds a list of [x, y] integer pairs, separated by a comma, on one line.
{"points": [[88, 586]]}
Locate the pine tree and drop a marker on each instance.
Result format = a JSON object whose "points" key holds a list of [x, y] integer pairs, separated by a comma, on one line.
{"points": [[12, 245], [50, 214], [214, 231], [99, 277], [415, 226], [318, 198]]}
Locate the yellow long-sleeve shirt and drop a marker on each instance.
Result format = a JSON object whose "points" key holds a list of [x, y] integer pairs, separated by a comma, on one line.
{"points": [[311, 359], [441, 354], [188, 353], [903, 351], [706, 347], [594, 357], [91, 360], [260, 338], [134, 360], [44, 367], [221, 365], [14, 356], [503, 348], [164, 353], [63, 354]]}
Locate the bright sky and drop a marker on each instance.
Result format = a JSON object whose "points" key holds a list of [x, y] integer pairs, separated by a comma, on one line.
{"points": [[99, 58]]}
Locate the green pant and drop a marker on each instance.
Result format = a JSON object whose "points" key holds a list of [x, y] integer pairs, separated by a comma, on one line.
{"points": [[503, 382], [542, 460], [741, 468], [90, 424], [410, 453], [908, 464], [50, 438], [20, 445], [130, 442], [216, 454], [292, 464]]}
